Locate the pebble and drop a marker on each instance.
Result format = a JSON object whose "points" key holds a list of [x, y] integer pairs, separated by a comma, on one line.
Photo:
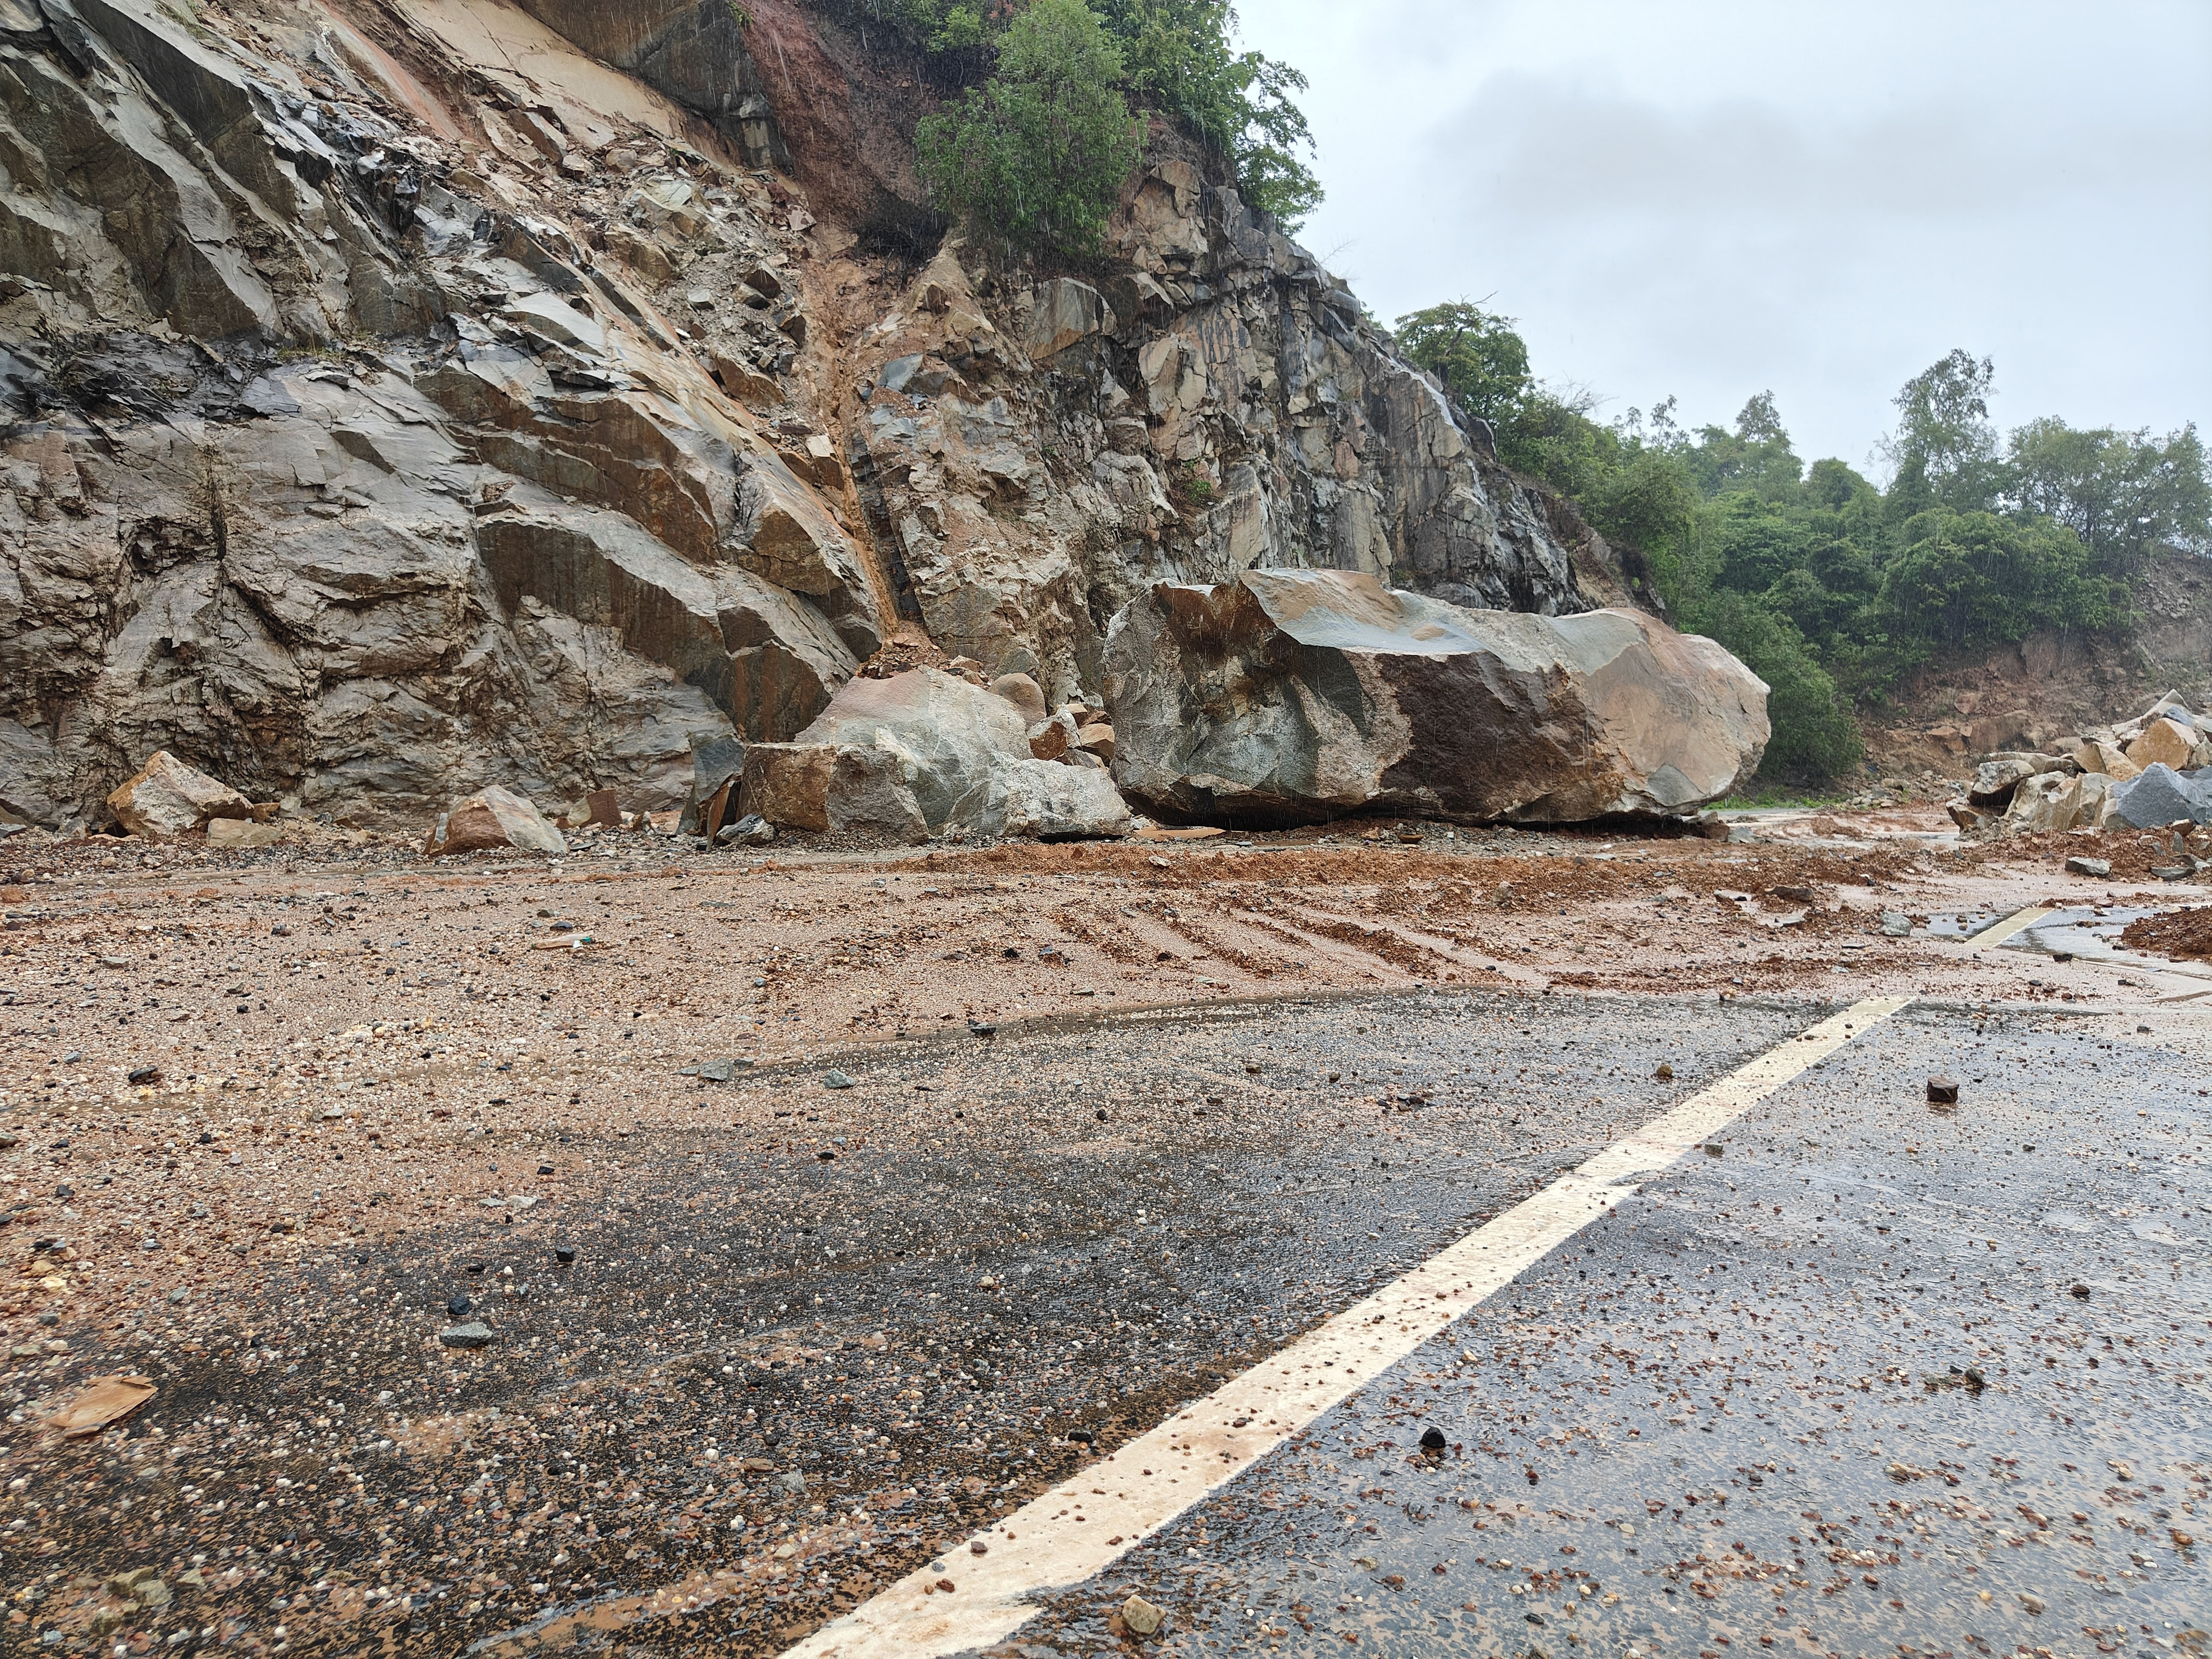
{"points": [[475, 1334], [458, 1306], [1142, 1618], [2099, 869], [1895, 924], [837, 1080], [564, 1254]]}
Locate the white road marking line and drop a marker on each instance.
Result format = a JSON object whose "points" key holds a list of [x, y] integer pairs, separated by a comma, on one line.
{"points": [[1082, 1526], [1999, 931]]}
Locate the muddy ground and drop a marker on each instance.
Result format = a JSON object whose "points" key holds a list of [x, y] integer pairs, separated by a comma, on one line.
{"points": [[896, 1184]]}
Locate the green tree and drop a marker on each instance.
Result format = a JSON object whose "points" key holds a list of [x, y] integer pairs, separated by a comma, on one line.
{"points": [[1481, 361], [2121, 492], [1035, 157], [1756, 456], [1175, 57], [1814, 737], [1944, 449], [1973, 579]]}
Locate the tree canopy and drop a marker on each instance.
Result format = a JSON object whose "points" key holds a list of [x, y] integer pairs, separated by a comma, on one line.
{"points": [[1830, 587], [1037, 155], [1172, 56]]}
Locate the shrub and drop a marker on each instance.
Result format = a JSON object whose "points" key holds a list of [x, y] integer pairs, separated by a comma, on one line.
{"points": [[1035, 156]]}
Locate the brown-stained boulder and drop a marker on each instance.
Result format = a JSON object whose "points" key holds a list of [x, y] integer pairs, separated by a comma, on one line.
{"points": [[1296, 696], [836, 786], [167, 797], [1096, 738], [2164, 742], [493, 818]]}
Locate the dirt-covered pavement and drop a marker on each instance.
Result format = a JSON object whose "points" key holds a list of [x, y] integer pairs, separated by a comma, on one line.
{"points": [[900, 1187]]}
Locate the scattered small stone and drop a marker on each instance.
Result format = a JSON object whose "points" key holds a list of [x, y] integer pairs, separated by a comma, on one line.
{"points": [[977, 1547], [837, 1080], [2097, 869], [721, 1071], [2034, 1603], [1432, 1440], [982, 1028], [1894, 924], [791, 1480], [458, 1306], [1942, 1091], [565, 1255], [1141, 1617], [2079, 1293], [1714, 1149], [545, 1168], [145, 1074], [1665, 1073], [475, 1334]]}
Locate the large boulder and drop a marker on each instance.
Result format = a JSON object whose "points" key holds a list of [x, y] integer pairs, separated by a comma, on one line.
{"points": [[167, 797], [921, 753], [2051, 802], [493, 819], [2163, 796], [1297, 695]]}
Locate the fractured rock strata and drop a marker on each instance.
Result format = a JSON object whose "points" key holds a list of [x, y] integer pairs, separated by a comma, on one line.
{"points": [[1295, 697], [402, 400]]}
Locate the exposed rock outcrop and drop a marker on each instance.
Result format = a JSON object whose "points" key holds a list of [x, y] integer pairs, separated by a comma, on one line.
{"points": [[401, 400], [1294, 697]]}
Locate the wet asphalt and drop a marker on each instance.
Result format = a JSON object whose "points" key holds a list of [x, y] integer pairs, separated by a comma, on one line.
{"points": [[1834, 1390]]}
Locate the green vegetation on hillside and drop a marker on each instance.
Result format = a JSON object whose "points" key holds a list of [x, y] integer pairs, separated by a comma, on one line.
{"points": [[1831, 589], [1023, 151]]}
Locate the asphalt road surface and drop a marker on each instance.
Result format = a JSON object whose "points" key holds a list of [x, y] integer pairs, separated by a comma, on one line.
{"points": [[1854, 1376]]}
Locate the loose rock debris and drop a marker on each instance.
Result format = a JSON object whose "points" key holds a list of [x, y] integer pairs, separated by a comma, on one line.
{"points": [[519, 1126]]}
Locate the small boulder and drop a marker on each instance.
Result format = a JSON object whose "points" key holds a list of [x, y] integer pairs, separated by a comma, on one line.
{"points": [[168, 798], [493, 818], [1996, 778], [2094, 754], [2051, 803], [2095, 869], [2165, 741], [1022, 691], [1062, 803], [1096, 738], [750, 830], [1054, 739]]}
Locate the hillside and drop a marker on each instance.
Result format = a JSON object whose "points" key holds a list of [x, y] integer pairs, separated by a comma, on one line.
{"points": [[406, 398]]}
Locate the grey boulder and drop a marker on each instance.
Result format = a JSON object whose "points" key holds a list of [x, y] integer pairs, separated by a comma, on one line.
{"points": [[1289, 697], [2161, 796]]}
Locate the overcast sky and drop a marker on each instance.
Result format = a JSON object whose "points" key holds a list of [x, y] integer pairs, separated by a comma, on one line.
{"points": [[1711, 199]]}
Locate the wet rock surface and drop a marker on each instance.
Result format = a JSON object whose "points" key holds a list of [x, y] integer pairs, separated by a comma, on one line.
{"points": [[525, 397], [1293, 697]]}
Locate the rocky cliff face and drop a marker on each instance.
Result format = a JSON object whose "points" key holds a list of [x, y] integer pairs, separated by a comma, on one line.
{"points": [[402, 399]]}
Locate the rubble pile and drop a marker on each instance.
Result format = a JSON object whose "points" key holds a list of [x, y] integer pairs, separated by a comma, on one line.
{"points": [[2150, 772]]}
